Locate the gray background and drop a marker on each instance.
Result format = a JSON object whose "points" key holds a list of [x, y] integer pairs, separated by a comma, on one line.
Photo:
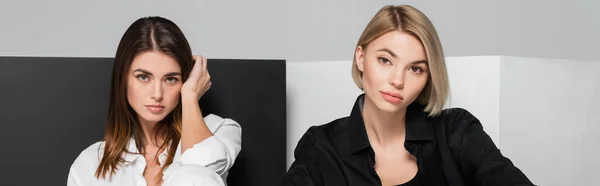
{"points": [[312, 30], [307, 30]]}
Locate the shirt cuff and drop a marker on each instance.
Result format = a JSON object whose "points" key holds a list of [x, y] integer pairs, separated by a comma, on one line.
{"points": [[209, 153]]}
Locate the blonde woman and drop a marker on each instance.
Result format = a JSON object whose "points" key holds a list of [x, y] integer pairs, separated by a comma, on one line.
{"points": [[398, 132]]}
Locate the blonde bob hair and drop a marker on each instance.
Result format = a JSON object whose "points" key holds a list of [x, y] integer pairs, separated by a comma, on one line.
{"points": [[412, 21]]}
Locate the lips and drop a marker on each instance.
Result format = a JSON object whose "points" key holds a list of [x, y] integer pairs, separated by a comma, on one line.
{"points": [[155, 109], [391, 97]]}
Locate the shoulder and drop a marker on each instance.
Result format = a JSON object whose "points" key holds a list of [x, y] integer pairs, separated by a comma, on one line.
{"points": [[323, 134], [457, 120], [92, 152], [327, 131], [315, 144], [89, 159], [457, 114], [463, 132]]}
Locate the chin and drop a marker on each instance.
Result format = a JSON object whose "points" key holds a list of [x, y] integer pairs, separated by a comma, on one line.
{"points": [[152, 117], [388, 107]]}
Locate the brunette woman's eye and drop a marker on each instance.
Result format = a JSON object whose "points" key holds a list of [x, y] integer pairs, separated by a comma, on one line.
{"points": [[171, 80], [143, 77]]}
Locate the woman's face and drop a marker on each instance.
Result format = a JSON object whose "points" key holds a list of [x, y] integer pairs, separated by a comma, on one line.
{"points": [[153, 85], [394, 70]]}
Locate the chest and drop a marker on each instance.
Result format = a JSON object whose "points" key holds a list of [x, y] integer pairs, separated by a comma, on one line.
{"points": [[140, 172], [126, 175], [394, 166], [423, 164]]}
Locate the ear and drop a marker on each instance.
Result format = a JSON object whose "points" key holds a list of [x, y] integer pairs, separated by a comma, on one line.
{"points": [[359, 55]]}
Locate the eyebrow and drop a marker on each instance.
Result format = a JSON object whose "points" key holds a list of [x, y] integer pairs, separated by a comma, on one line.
{"points": [[419, 62], [394, 55], [149, 73], [388, 51], [173, 74]]}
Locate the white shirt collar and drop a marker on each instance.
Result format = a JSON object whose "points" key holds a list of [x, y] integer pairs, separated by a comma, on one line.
{"points": [[135, 156]]}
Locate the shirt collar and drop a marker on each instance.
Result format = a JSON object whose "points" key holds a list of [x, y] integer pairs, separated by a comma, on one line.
{"points": [[418, 126], [133, 154]]}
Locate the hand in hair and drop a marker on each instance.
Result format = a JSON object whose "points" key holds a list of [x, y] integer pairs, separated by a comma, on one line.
{"points": [[193, 127], [199, 80]]}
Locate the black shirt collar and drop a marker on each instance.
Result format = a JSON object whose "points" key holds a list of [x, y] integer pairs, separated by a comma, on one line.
{"points": [[418, 126]]}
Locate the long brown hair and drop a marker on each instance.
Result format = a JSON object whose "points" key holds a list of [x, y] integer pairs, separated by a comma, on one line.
{"points": [[145, 34]]}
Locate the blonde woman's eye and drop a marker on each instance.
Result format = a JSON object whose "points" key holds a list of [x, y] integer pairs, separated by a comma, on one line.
{"points": [[384, 60], [416, 69]]}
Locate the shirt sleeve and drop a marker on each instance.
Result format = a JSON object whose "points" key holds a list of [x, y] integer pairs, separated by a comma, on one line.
{"points": [[219, 151], [482, 159]]}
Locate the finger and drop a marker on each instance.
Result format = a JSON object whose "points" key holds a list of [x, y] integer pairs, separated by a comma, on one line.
{"points": [[204, 76], [203, 81], [205, 63], [196, 71], [199, 62], [197, 59], [194, 74]]}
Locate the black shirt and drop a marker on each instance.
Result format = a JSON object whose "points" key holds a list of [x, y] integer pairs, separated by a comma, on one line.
{"points": [[451, 149]]}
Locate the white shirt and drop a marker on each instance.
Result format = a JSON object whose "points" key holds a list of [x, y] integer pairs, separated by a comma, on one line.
{"points": [[217, 152]]}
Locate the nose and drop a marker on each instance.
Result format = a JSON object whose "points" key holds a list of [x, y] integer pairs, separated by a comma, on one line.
{"points": [[397, 78], [157, 91]]}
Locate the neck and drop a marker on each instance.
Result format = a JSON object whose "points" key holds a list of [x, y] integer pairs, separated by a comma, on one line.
{"points": [[383, 128], [150, 130]]}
